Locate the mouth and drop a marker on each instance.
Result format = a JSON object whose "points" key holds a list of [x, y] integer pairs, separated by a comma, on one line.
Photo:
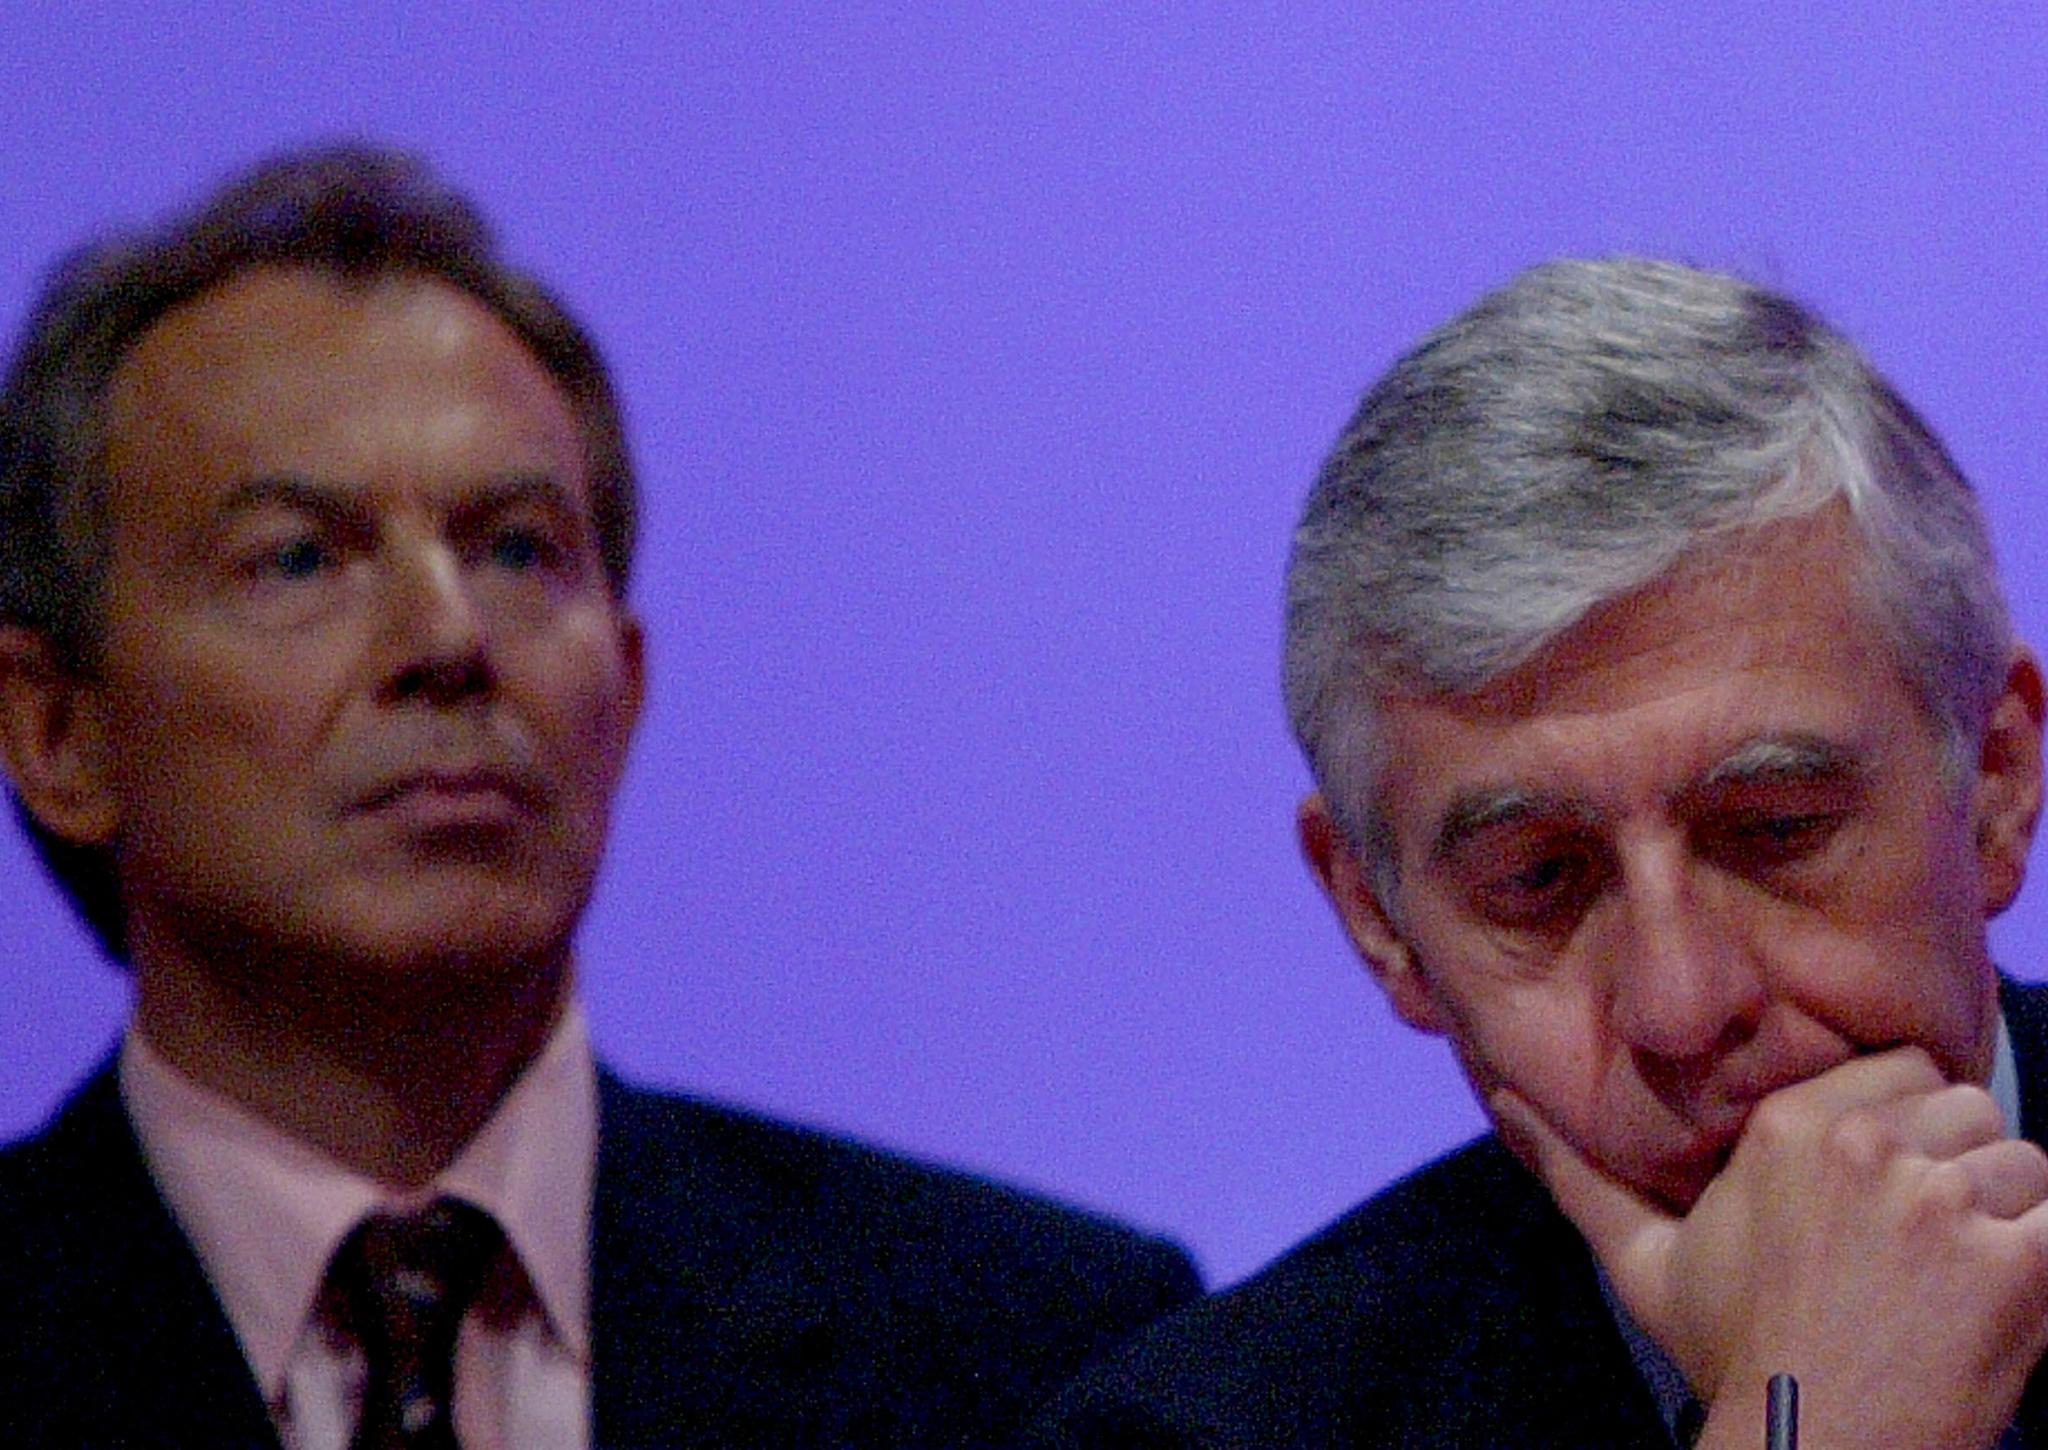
{"points": [[1681, 1180], [464, 798]]}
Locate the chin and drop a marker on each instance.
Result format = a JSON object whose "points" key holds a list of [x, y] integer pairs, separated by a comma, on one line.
{"points": [[476, 948], [488, 911], [467, 942], [1676, 1185]]}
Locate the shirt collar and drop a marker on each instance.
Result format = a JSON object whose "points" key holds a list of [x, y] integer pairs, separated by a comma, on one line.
{"points": [[2005, 1081], [265, 1211]]}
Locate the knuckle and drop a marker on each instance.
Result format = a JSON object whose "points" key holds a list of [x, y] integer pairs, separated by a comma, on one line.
{"points": [[1921, 1061], [1861, 1139], [2033, 1162], [2023, 1159], [1979, 1110], [2027, 1260], [1775, 1123], [1947, 1190]]}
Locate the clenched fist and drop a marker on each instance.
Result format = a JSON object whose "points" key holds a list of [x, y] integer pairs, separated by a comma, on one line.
{"points": [[1874, 1233]]}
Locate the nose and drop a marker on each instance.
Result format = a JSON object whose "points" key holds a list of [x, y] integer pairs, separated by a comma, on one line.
{"points": [[440, 643], [1688, 989]]}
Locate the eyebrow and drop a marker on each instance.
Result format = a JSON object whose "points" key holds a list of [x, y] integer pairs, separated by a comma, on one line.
{"points": [[1766, 761], [337, 502], [1485, 810], [290, 491], [1785, 760]]}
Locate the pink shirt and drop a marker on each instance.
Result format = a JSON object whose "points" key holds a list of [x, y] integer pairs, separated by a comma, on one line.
{"points": [[266, 1212]]}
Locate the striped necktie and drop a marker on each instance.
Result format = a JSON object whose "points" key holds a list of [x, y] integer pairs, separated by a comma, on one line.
{"points": [[403, 1283]]}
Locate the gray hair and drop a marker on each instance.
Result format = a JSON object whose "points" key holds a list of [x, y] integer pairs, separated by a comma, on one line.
{"points": [[356, 211], [1574, 437]]}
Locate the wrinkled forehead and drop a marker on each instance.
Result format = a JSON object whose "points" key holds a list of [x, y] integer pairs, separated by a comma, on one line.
{"points": [[1741, 653], [1768, 584], [297, 372]]}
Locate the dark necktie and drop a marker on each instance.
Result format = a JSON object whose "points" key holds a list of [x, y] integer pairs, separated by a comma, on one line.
{"points": [[402, 1283]]}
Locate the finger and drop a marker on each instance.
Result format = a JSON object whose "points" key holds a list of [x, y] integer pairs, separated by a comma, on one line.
{"points": [[1949, 1122], [2033, 1224], [1877, 1077], [1630, 1236], [2007, 1178]]}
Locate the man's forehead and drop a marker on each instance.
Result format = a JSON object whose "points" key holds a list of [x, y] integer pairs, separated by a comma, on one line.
{"points": [[348, 501], [295, 372], [1770, 666], [287, 316]]}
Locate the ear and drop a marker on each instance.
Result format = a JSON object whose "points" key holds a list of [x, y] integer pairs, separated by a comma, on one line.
{"points": [[54, 738], [1366, 919], [2006, 799], [633, 652]]}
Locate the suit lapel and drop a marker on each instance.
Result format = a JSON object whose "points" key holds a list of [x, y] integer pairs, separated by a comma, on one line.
{"points": [[1568, 1378], [2026, 1024], [140, 1344]]}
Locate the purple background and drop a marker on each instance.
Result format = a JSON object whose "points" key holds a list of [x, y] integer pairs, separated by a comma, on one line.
{"points": [[976, 368]]}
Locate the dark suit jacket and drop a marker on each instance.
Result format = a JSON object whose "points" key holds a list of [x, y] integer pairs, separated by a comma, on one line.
{"points": [[1457, 1308], [752, 1285]]}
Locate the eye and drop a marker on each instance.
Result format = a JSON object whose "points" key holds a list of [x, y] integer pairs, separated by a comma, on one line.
{"points": [[299, 558], [522, 548], [1543, 876], [1546, 888], [1781, 839]]}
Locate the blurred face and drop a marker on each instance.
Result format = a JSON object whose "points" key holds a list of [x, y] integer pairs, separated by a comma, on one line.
{"points": [[363, 693], [1700, 849]]}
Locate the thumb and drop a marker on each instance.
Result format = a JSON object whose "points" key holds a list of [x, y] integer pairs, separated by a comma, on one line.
{"points": [[1630, 1236]]}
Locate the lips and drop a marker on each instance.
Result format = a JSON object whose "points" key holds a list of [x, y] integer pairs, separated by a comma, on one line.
{"points": [[1711, 1156], [452, 797]]}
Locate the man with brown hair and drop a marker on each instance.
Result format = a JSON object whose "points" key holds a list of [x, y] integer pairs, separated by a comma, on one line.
{"points": [[317, 677]]}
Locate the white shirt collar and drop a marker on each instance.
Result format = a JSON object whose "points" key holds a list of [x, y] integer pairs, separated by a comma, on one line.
{"points": [[266, 1211]]}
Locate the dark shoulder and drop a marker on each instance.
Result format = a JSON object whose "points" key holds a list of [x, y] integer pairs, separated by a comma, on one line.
{"points": [[822, 1291], [800, 1288], [1434, 1313], [84, 1114], [2025, 1005], [59, 1184], [861, 1198]]}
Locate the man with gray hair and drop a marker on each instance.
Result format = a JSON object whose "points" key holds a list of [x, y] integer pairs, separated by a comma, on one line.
{"points": [[1672, 749]]}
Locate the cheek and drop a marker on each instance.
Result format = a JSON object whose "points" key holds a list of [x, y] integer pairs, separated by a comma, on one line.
{"points": [[1545, 1040], [1897, 954], [200, 744], [1891, 990], [577, 703], [192, 723]]}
